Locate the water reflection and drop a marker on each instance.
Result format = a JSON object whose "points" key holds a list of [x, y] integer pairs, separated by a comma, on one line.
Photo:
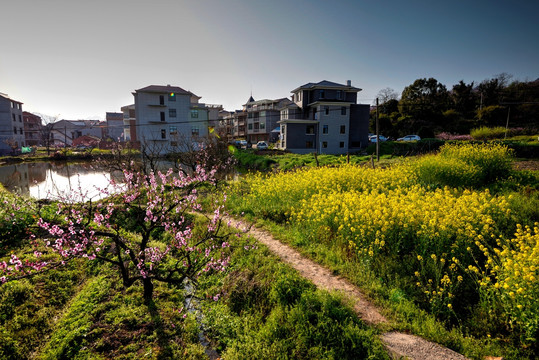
{"points": [[57, 180]]}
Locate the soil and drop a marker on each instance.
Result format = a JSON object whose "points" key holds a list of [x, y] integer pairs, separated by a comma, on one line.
{"points": [[399, 345]]}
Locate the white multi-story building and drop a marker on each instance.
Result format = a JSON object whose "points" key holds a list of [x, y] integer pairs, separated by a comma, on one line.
{"points": [[168, 116], [11, 125]]}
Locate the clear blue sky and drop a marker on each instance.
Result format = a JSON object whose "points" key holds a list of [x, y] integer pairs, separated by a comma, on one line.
{"points": [[80, 59]]}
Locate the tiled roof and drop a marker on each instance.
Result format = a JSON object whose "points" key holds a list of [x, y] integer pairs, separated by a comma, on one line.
{"points": [[324, 83], [164, 89]]}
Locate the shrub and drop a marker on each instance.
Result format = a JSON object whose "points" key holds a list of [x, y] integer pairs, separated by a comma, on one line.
{"points": [[487, 133], [437, 171], [493, 160]]}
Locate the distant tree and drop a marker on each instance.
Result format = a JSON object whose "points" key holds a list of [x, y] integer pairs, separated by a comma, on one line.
{"points": [[491, 91], [424, 101], [46, 130], [464, 99], [387, 94]]}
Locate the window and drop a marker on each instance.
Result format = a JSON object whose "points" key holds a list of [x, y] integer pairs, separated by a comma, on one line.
{"points": [[20, 131], [343, 129], [161, 100], [173, 143], [173, 130], [171, 97], [172, 112], [162, 116], [195, 131], [15, 130], [339, 95], [310, 130], [262, 125], [262, 114], [327, 110], [250, 115], [324, 144], [194, 113], [13, 116], [20, 118], [250, 127], [322, 94], [299, 96], [163, 134], [309, 144], [325, 129], [341, 144], [343, 110]]}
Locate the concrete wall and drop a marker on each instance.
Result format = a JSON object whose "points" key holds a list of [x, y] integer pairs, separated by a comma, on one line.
{"points": [[11, 120], [359, 126], [333, 138]]}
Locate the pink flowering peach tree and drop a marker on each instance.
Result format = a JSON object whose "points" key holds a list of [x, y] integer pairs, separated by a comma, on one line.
{"points": [[144, 228]]}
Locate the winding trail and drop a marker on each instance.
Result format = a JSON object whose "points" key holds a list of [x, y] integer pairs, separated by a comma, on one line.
{"points": [[399, 345]]}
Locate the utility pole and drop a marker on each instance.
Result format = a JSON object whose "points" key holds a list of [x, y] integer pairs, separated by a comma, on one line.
{"points": [[377, 135], [507, 123]]}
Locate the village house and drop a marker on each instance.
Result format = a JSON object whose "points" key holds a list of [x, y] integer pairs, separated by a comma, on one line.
{"points": [[11, 125], [325, 118]]}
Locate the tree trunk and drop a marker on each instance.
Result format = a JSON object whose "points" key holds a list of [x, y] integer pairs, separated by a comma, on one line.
{"points": [[148, 290]]}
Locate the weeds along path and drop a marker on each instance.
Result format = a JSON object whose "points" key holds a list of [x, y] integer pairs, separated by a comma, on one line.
{"points": [[398, 344]]}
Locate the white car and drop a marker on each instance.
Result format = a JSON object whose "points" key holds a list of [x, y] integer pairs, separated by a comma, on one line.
{"points": [[261, 145], [372, 138], [409, 138]]}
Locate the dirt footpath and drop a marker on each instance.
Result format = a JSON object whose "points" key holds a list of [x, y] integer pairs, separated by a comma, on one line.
{"points": [[399, 345]]}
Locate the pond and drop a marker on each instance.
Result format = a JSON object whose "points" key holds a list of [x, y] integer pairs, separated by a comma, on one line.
{"points": [[56, 180]]}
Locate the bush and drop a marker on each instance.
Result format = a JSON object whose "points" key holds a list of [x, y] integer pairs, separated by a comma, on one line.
{"points": [[487, 133], [437, 171]]}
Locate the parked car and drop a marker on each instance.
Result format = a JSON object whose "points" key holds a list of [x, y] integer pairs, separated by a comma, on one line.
{"points": [[409, 138], [261, 145], [372, 138], [240, 144]]}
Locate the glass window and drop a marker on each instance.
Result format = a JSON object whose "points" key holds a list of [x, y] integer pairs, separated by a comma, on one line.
{"points": [[262, 125], [161, 100], [343, 129], [250, 126], [309, 144], [195, 130], [15, 130], [322, 94], [163, 134], [325, 129], [173, 130], [172, 112], [13, 116], [194, 113], [162, 116], [20, 118], [343, 110], [327, 110], [324, 144], [310, 129], [341, 144], [339, 94]]}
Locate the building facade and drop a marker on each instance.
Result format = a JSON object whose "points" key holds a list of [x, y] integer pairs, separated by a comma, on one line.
{"points": [[263, 117], [33, 126], [115, 126], [11, 125], [63, 132], [130, 123], [168, 117], [324, 118]]}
